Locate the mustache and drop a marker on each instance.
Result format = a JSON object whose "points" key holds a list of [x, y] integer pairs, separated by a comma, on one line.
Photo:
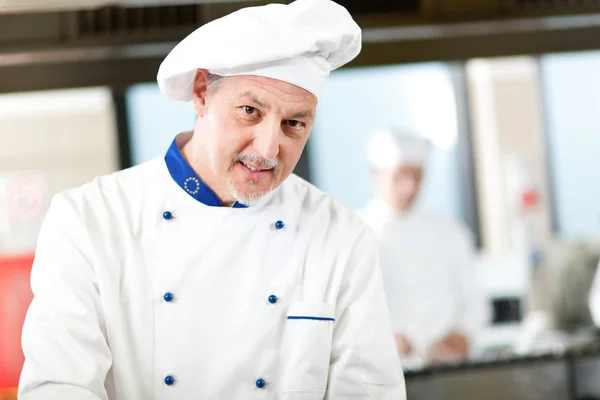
{"points": [[256, 159]]}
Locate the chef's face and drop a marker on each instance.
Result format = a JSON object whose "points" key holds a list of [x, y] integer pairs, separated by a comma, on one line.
{"points": [[250, 134], [400, 186]]}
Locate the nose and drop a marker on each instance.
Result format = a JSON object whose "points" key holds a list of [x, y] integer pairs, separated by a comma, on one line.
{"points": [[267, 140], [406, 185]]}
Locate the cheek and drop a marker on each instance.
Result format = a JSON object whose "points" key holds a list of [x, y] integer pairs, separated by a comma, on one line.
{"points": [[290, 153], [228, 139], [406, 186]]}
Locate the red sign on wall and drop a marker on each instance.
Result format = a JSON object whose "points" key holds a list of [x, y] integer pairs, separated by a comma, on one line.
{"points": [[15, 297]]}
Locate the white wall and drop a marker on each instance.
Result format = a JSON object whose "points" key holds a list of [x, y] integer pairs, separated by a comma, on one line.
{"points": [[49, 141], [572, 98], [509, 146], [154, 120]]}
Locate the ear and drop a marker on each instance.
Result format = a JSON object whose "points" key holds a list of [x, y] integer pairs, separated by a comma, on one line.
{"points": [[199, 92]]}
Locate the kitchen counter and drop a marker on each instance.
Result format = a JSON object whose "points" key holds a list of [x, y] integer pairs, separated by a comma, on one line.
{"points": [[571, 373]]}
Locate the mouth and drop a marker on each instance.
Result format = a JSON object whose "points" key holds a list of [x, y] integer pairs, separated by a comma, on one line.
{"points": [[254, 171], [254, 167]]}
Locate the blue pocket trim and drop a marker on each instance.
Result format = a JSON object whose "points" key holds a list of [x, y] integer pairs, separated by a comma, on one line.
{"points": [[312, 318]]}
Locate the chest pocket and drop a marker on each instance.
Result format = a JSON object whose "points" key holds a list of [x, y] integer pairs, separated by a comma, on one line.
{"points": [[306, 349]]}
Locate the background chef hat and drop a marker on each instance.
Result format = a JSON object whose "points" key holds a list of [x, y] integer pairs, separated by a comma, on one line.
{"points": [[392, 147], [299, 43]]}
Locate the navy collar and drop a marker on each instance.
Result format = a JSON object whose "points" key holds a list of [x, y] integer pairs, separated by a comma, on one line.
{"points": [[189, 181]]}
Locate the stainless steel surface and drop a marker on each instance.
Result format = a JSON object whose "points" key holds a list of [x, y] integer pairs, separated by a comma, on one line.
{"points": [[145, 50], [536, 381], [570, 374], [24, 6], [481, 28], [587, 373]]}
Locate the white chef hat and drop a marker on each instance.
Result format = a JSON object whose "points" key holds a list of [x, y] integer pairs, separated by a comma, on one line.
{"points": [[392, 147], [299, 43]]}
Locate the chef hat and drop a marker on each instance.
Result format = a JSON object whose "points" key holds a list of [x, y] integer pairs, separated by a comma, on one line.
{"points": [[299, 43], [390, 148]]}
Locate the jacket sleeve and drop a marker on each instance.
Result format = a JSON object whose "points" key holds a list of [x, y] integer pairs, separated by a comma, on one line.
{"points": [[472, 310], [66, 352], [364, 362]]}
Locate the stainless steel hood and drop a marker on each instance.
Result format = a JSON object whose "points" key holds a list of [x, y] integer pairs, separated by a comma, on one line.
{"points": [[25, 6]]}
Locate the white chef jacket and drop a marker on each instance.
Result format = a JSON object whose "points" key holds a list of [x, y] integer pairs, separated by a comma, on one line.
{"points": [[427, 264], [143, 291]]}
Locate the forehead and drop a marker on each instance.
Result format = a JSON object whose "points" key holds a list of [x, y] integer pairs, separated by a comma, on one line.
{"points": [[409, 169], [270, 92]]}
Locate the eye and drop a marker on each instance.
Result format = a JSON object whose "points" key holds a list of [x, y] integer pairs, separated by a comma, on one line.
{"points": [[249, 110], [295, 124]]}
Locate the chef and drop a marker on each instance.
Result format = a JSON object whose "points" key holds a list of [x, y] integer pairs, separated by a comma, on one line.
{"points": [[214, 272], [426, 260]]}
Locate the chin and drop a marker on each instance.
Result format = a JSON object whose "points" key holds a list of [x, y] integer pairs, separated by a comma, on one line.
{"points": [[242, 194], [248, 199]]}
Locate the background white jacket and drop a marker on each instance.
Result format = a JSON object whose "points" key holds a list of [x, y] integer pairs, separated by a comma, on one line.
{"points": [[429, 275]]}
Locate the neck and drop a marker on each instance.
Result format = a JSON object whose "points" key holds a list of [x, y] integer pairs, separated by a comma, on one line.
{"points": [[398, 207]]}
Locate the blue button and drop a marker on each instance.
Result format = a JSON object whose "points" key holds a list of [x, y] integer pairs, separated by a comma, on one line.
{"points": [[279, 224], [169, 380], [260, 383], [272, 299], [168, 297], [167, 215]]}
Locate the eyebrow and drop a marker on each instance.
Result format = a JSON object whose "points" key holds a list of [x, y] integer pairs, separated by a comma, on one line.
{"points": [[303, 114], [252, 96]]}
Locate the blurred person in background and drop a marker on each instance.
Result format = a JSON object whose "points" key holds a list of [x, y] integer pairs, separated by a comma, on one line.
{"points": [[426, 260], [214, 272]]}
